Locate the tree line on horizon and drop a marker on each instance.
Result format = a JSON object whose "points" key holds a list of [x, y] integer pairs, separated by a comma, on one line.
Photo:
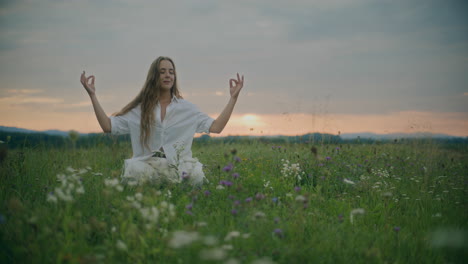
{"points": [[15, 140]]}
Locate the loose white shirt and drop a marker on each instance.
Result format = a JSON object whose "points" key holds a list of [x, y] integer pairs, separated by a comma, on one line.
{"points": [[174, 135]]}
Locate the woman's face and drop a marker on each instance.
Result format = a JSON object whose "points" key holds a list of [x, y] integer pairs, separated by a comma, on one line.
{"points": [[166, 74]]}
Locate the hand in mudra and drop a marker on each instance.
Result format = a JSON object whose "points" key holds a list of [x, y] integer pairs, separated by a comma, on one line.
{"points": [[236, 86], [88, 83]]}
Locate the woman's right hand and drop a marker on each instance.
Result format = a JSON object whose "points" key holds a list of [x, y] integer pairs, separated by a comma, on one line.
{"points": [[88, 83]]}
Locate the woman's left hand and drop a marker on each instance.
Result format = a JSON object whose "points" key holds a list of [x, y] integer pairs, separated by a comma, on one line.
{"points": [[236, 86]]}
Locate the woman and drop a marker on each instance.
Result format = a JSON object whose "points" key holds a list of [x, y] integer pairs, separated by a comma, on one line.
{"points": [[161, 125]]}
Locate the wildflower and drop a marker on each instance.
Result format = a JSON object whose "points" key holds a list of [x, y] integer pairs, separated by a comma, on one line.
{"points": [[259, 214], [348, 181], [340, 218], [396, 229], [189, 206], [210, 240], [355, 212], [232, 261], [201, 224], [274, 199], [231, 235], [237, 159], [182, 238], [212, 254], [235, 175], [228, 168], [207, 193], [278, 232], [300, 198], [328, 158], [121, 245], [219, 187], [234, 212], [227, 247], [259, 196], [297, 188], [264, 260], [51, 198], [448, 238], [248, 199]]}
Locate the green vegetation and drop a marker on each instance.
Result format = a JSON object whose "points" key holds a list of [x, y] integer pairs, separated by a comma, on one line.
{"points": [[394, 202]]}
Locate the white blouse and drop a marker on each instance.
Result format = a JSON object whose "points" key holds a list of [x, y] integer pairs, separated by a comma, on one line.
{"points": [[174, 134]]}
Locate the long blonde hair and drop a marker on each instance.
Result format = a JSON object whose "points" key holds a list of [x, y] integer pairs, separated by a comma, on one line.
{"points": [[148, 98]]}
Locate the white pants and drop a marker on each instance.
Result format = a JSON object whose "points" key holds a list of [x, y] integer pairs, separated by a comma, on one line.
{"points": [[158, 170]]}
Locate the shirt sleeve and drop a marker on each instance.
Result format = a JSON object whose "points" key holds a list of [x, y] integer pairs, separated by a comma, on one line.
{"points": [[204, 122], [119, 125]]}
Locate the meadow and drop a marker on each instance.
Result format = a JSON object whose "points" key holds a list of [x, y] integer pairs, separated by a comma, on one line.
{"points": [[264, 203]]}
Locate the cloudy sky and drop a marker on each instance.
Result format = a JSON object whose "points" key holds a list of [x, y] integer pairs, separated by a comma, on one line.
{"points": [[320, 65]]}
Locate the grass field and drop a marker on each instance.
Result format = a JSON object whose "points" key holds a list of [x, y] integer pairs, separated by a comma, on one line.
{"points": [[297, 203]]}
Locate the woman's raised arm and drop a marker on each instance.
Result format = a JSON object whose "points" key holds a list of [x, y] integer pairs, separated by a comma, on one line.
{"points": [[235, 88], [103, 119]]}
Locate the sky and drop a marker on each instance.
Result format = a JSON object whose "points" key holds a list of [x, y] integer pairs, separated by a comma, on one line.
{"points": [[329, 66]]}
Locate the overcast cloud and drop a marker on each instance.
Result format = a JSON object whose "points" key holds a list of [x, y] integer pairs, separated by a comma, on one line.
{"points": [[343, 57]]}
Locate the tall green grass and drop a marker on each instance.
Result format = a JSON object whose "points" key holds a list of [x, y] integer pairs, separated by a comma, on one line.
{"points": [[408, 204]]}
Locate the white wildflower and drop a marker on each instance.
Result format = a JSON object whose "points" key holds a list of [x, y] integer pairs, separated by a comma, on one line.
{"points": [[348, 181], [300, 198], [219, 187], [213, 254], [112, 182], [355, 212], [227, 247], [51, 198], [182, 238], [232, 261], [121, 245], [264, 260], [201, 224], [138, 196], [245, 236], [449, 238], [231, 234], [210, 240], [259, 214]]}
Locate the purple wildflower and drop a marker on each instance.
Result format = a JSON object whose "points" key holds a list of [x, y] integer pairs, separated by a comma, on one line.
{"points": [[237, 159], [248, 200], [278, 232], [328, 158], [237, 202], [234, 212], [189, 206], [235, 175], [259, 196], [189, 212], [274, 199], [207, 193], [396, 229], [228, 168], [297, 188]]}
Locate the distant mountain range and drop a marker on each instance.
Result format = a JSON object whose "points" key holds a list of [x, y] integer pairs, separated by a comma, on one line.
{"points": [[363, 135]]}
